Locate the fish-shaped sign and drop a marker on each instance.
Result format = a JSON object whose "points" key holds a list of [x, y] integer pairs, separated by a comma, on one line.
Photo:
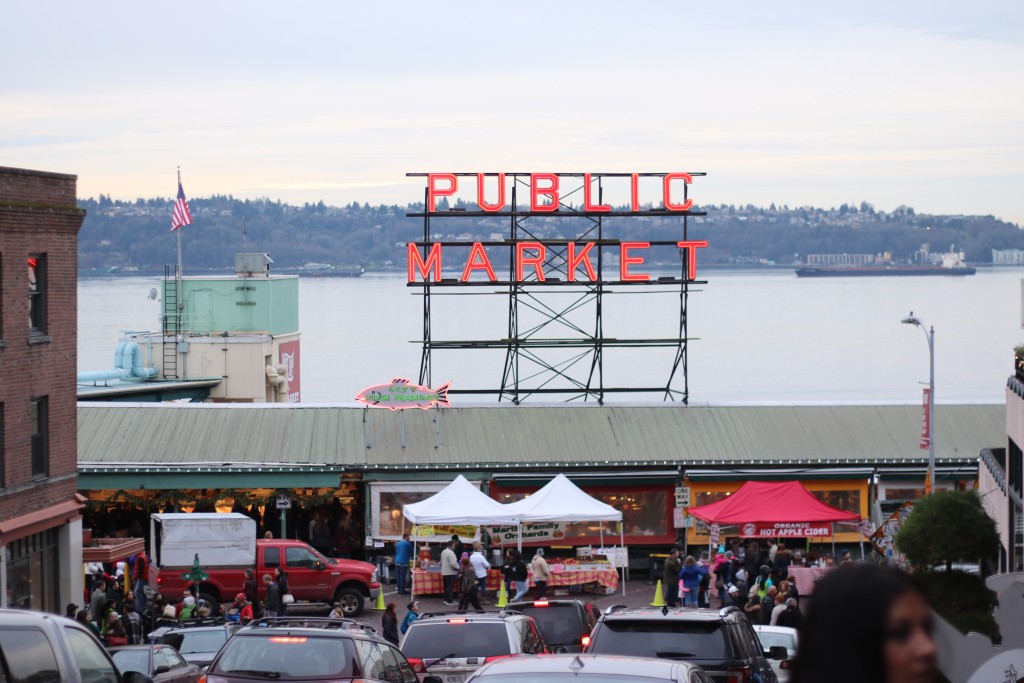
{"points": [[400, 394]]}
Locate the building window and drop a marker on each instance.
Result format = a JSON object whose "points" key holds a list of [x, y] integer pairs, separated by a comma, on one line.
{"points": [[37, 293], [40, 437]]}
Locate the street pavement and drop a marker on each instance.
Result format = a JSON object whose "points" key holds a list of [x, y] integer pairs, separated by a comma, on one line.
{"points": [[639, 593]]}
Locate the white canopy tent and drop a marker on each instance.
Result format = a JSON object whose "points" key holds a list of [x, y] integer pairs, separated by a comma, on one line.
{"points": [[459, 503], [560, 500]]}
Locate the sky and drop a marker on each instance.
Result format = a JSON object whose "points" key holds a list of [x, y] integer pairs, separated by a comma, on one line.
{"points": [[916, 103]]}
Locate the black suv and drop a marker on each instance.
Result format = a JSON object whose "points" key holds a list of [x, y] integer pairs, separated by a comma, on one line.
{"points": [[300, 649], [722, 642], [566, 624], [198, 640]]}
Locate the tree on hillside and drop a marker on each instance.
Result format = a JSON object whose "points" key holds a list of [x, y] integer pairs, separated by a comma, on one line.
{"points": [[948, 526]]}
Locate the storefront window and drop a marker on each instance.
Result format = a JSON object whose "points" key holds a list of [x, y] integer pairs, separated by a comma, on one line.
{"points": [[847, 500], [32, 572], [392, 521]]}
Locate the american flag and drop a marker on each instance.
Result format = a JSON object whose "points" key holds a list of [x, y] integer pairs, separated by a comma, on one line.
{"points": [[181, 214]]}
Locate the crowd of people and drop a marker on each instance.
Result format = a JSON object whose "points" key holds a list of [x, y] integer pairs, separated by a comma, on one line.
{"points": [[119, 615]]}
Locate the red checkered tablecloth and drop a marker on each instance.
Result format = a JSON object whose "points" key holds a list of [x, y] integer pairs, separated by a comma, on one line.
{"points": [[606, 577], [431, 583], [804, 577]]}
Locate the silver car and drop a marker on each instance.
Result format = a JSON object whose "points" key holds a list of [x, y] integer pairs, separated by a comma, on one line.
{"points": [[584, 668], [782, 636]]}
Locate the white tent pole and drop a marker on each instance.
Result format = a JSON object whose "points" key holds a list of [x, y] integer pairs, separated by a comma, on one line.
{"points": [[622, 541], [412, 590]]}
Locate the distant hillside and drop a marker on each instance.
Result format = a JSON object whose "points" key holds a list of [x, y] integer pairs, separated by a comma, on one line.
{"points": [[138, 233]]}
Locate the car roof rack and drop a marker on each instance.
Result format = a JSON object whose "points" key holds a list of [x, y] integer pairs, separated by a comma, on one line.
{"points": [[463, 612], [310, 622], [201, 621]]}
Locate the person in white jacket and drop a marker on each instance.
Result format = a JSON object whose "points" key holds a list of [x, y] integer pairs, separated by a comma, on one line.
{"points": [[541, 573], [480, 566], [449, 571]]}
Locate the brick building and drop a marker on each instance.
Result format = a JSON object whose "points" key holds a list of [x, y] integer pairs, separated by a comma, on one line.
{"points": [[40, 510]]}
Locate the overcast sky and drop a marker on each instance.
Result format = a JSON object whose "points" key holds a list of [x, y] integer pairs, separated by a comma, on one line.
{"points": [[800, 103]]}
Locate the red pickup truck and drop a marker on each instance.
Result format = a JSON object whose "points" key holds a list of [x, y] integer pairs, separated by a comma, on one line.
{"points": [[226, 551]]}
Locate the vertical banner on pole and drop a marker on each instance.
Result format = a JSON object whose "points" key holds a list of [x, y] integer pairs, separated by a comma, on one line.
{"points": [[926, 421]]}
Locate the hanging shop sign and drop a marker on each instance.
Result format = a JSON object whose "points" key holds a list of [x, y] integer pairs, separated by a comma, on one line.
{"points": [[785, 529], [400, 394], [447, 530], [537, 260], [508, 534]]}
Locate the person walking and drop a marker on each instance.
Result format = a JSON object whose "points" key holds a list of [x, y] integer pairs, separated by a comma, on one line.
{"points": [[541, 573], [140, 573], [252, 594], [403, 556], [449, 572], [411, 615], [791, 616], [516, 571], [132, 622], [98, 602], [480, 567], [389, 624], [470, 586], [272, 601], [692, 574], [670, 577], [282, 590], [768, 605]]}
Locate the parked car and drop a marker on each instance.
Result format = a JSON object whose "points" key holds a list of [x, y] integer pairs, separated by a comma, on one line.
{"points": [[306, 649], [161, 663], [454, 644], [35, 646], [198, 640], [722, 642], [771, 636], [570, 668], [225, 545], [566, 624]]}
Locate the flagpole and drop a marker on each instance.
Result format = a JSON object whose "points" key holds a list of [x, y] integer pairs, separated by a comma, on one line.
{"points": [[181, 304]]}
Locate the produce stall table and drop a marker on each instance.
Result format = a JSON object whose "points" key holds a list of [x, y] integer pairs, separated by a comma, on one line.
{"points": [[431, 583], [566, 575], [804, 577]]}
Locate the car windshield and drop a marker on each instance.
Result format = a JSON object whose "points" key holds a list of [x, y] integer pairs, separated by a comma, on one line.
{"points": [[286, 656], [132, 660], [567, 677], [772, 638], [188, 642], [467, 639], [662, 638], [560, 624]]}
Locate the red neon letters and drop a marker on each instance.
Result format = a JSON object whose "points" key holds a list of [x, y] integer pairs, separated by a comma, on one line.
{"points": [[535, 254], [545, 186]]}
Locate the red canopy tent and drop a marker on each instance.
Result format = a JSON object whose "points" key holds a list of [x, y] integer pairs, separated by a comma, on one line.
{"points": [[773, 509]]}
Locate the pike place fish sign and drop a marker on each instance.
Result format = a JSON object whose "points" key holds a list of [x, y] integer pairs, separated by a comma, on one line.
{"points": [[401, 394]]}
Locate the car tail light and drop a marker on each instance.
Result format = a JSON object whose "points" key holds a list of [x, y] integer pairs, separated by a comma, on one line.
{"points": [[738, 674], [540, 603], [458, 621], [495, 658], [585, 641], [287, 639], [417, 665], [786, 664]]}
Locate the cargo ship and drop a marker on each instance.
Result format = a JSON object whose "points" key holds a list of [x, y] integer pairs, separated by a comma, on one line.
{"points": [[952, 264]]}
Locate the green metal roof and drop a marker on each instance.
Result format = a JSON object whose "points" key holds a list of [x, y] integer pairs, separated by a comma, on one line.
{"points": [[509, 437]]}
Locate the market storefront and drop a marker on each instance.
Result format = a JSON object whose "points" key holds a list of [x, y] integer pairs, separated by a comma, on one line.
{"points": [[324, 507], [849, 491]]}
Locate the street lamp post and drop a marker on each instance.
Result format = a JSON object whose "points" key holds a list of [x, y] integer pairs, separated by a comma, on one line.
{"points": [[930, 336]]}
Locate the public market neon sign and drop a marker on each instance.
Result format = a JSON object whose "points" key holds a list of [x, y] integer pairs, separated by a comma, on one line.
{"points": [[545, 199]]}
